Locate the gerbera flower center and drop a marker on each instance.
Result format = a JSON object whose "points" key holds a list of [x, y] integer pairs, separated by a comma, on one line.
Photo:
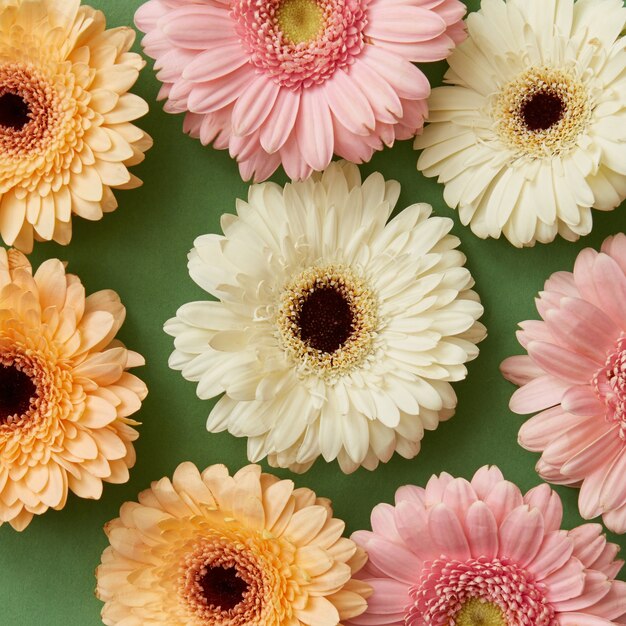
{"points": [[543, 112], [14, 112], [222, 587], [300, 42], [327, 320], [478, 592], [610, 386], [300, 20], [480, 613], [16, 393]]}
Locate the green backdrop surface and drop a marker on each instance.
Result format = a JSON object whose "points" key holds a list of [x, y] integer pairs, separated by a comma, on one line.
{"points": [[47, 572]]}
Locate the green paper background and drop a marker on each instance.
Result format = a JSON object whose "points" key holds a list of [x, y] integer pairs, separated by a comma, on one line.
{"points": [[47, 572]]}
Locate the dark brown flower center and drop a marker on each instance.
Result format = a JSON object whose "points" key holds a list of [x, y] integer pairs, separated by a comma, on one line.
{"points": [[16, 392], [326, 320], [222, 587], [542, 110], [14, 112]]}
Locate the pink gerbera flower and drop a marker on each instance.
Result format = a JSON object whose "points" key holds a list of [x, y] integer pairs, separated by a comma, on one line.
{"points": [[575, 374], [295, 81], [481, 553]]}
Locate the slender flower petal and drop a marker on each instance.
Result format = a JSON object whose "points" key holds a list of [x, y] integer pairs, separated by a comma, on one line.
{"points": [[65, 395], [215, 550], [294, 81], [460, 553], [575, 375], [66, 132], [336, 333], [528, 134]]}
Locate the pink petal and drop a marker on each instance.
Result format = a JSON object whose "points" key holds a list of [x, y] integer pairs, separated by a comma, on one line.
{"points": [[422, 51], [613, 491], [281, 121], [567, 582], [582, 335], [485, 480], [504, 498], [521, 534], [406, 24], [613, 605], [383, 521], [616, 248], [394, 560], [610, 285], [447, 533], [555, 551], [562, 283], [589, 496], [565, 364], [293, 163], [583, 275], [520, 369], [389, 597], [314, 129], [574, 440], [540, 393], [582, 400], [597, 586], [216, 94], [581, 619], [410, 493], [459, 496], [254, 105], [348, 103], [407, 80], [382, 98], [595, 455], [482, 531], [548, 502], [412, 525], [589, 543], [615, 520], [215, 63], [540, 431], [198, 27]]}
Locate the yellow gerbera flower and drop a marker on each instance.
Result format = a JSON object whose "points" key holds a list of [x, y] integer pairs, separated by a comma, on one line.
{"points": [[65, 397], [66, 136], [211, 549]]}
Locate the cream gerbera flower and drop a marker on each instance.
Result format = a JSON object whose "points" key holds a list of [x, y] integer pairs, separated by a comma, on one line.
{"points": [[65, 397], [211, 549], [531, 133], [66, 136], [335, 334]]}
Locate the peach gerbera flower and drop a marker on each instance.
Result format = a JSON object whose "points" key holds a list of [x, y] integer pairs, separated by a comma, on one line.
{"points": [[229, 551], [66, 136], [65, 397]]}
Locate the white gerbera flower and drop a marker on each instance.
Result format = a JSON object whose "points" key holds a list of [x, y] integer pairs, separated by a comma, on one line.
{"points": [[531, 134], [335, 334]]}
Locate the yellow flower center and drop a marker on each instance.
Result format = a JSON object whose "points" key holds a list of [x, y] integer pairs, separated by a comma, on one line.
{"points": [[300, 20], [475, 612]]}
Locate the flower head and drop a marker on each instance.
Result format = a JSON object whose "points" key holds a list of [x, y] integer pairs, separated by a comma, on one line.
{"points": [[480, 553], [66, 136], [65, 394], [294, 81], [528, 135], [211, 549], [575, 375], [335, 333]]}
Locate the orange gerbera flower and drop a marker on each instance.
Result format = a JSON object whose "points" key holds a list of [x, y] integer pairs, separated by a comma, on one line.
{"points": [[215, 550], [65, 397], [66, 136]]}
